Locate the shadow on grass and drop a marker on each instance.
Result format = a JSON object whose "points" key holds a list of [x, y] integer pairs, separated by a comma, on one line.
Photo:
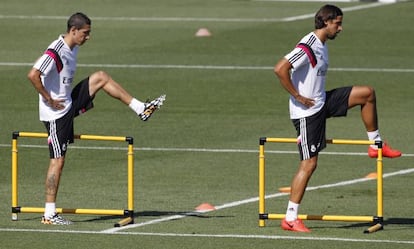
{"points": [[157, 214], [399, 221], [390, 221]]}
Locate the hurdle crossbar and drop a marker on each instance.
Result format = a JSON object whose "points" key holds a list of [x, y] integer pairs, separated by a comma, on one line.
{"points": [[376, 219], [127, 213]]}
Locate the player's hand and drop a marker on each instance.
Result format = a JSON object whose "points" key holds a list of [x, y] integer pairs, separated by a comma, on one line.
{"points": [[56, 104], [305, 101]]}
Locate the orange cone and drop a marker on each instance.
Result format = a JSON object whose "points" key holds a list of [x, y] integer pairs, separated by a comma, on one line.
{"points": [[203, 32], [372, 175], [284, 189], [205, 207]]}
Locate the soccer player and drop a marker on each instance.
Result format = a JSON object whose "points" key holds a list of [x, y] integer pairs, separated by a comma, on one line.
{"points": [[302, 73], [52, 76]]}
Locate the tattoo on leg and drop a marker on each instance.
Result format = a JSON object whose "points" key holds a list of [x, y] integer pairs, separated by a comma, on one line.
{"points": [[51, 185]]}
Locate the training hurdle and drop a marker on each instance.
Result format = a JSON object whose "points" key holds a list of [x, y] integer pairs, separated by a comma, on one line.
{"points": [[127, 213], [376, 219]]}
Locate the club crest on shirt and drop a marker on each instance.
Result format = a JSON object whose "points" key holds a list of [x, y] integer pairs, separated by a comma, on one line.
{"points": [[322, 72], [67, 80]]}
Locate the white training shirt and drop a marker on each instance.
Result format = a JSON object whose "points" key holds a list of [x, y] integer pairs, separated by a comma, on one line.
{"points": [[58, 84], [308, 74]]}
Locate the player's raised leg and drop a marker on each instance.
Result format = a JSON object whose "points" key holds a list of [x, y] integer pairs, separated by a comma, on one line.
{"points": [[365, 97], [102, 80]]}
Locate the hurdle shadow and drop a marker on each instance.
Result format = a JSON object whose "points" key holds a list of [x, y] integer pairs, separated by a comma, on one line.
{"points": [[138, 215], [185, 213], [390, 221]]}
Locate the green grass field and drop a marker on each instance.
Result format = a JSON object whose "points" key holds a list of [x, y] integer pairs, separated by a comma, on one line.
{"points": [[202, 146]]}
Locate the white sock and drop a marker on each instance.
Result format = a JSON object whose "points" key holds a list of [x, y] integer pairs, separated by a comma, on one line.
{"points": [[292, 211], [137, 106], [50, 209], [375, 136]]}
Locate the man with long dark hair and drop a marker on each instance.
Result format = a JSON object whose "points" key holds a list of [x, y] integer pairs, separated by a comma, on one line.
{"points": [[302, 73]]}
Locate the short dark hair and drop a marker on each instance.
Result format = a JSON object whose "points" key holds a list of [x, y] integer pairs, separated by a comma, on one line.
{"points": [[78, 20], [327, 12]]}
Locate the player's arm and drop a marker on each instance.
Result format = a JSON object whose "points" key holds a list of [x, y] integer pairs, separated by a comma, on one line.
{"points": [[34, 77], [282, 71]]}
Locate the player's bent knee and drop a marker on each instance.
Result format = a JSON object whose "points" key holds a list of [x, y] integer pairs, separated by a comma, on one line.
{"points": [[370, 93], [99, 76]]}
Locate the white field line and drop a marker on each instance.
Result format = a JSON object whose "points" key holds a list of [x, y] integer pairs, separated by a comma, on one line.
{"points": [[207, 150], [348, 9], [193, 19], [231, 236], [250, 200], [212, 67], [304, 1], [232, 204], [204, 67]]}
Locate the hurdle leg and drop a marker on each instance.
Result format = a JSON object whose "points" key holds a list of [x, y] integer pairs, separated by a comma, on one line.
{"points": [[130, 219], [130, 176], [126, 221], [261, 183], [379, 220], [14, 178]]}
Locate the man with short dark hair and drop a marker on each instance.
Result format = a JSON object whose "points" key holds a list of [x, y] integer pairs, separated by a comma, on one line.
{"points": [[52, 76]]}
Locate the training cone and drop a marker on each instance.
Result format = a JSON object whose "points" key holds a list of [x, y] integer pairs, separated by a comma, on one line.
{"points": [[205, 207], [203, 32], [284, 189], [372, 175]]}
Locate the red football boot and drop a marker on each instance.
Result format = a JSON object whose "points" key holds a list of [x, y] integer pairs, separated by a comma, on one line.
{"points": [[295, 226], [387, 151]]}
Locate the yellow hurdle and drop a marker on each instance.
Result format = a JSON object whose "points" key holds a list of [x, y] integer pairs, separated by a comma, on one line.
{"points": [[376, 219], [74, 211], [127, 213]]}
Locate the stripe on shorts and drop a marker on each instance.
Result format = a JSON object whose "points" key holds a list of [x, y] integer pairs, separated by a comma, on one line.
{"points": [[54, 140], [304, 139]]}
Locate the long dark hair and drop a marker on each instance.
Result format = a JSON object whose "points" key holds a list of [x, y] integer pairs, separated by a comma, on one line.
{"points": [[327, 12]]}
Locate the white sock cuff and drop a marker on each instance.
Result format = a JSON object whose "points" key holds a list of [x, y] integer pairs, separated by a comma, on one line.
{"points": [[374, 136], [137, 106], [50, 209], [292, 211]]}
